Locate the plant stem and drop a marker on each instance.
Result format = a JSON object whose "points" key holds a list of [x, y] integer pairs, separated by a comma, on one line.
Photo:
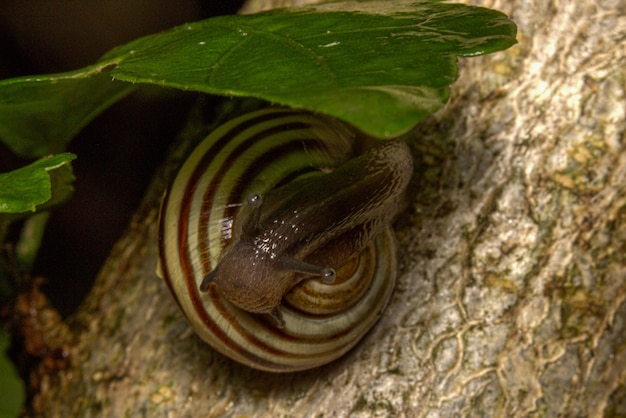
{"points": [[30, 241]]}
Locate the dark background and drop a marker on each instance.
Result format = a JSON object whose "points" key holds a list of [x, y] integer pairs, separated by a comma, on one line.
{"points": [[119, 151]]}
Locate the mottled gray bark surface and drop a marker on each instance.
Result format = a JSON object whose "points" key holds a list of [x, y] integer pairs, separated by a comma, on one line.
{"points": [[512, 296]]}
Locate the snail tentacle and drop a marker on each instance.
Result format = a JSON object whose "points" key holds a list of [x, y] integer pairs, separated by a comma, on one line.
{"points": [[206, 282], [297, 266], [255, 201], [277, 318]]}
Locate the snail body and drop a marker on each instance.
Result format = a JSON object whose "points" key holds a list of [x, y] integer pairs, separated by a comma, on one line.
{"points": [[275, 238]]}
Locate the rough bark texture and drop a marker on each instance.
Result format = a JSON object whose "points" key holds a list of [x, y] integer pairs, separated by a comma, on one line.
{"points": [[512, 297]]}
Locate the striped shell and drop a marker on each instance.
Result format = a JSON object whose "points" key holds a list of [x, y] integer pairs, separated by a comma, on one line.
{"points": [[256, 153]]}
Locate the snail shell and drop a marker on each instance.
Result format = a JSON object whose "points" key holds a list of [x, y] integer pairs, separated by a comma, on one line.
{"points": [[246, 274]]}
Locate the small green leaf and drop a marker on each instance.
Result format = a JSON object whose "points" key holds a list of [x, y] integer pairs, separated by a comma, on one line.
{"points": [[11, 386], [38, 186]]}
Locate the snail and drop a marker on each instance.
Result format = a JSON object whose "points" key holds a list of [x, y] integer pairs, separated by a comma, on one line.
{"points": [[275, 237]]}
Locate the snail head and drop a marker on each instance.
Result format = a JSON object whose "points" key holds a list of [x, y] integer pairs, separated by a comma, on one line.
{"points": [[255, 278]]}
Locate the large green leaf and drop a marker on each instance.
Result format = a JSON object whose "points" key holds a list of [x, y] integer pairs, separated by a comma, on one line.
{"points": [[380, 65], [382, 68]]}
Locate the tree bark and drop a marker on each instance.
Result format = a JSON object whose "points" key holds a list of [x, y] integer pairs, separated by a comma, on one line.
{"points": [[512, 296]]}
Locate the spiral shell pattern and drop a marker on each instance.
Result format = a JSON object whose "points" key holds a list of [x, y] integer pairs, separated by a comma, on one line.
{"points": [[254, 154]]}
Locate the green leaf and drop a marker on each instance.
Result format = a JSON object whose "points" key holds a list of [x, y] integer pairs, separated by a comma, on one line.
{"points": [[380, 65], [39, 115], [38, 186], [11, 386]]}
